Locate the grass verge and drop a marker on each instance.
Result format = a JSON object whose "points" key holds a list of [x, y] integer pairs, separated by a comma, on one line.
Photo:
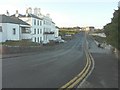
{"points": [[20, 43]]}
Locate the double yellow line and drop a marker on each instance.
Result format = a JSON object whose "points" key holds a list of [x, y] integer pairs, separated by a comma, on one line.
{"points": [[76, 80]]}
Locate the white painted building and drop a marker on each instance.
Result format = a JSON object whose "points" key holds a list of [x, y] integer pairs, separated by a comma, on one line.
{"points": [[12, 28], [56, 32], [35, 23], [50, 32], [49, 28], [42, 27]]}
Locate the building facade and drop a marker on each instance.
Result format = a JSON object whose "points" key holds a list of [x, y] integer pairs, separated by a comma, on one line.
{"points": [[36, 25], [43, 29], [89, 28], [12, 28]]}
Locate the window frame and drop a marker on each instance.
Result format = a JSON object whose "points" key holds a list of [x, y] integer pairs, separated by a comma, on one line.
{"points": [[14, 31], [38, 32], [1, 29], [35, 31], [34, 21]]}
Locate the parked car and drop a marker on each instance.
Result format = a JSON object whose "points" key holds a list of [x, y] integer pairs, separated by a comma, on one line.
{"points": [[61, 41], [45, 42]]}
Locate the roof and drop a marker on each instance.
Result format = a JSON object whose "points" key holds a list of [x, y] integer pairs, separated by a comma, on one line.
{"points": [[30, 15], [53, 22], [19, 15], [57, 27], [11, 19]]}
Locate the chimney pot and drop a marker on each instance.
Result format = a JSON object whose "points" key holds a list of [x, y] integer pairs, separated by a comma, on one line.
{"points": [[17, 14], [7, 13]]}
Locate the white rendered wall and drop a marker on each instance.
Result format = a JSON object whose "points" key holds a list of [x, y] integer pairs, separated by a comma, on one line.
{"points": [[56, 32], [39, 37], [37, 27], [10, 35], [1, 34], [4, 32], [7, 32], [49, 26]]}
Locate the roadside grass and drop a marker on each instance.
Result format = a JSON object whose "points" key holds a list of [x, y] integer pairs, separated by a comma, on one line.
{"points": [[64, 32], [67, 32], [20, 43], [68, 37]]}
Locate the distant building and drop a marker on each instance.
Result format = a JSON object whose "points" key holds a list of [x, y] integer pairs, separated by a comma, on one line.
{"points": [[89, 28], [12, 28]]}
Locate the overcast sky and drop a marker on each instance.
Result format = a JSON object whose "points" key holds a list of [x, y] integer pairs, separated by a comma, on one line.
{"points": [[67, 12]]}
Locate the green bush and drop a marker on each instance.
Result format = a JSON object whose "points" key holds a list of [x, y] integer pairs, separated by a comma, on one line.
{"points": [[112, 30]]}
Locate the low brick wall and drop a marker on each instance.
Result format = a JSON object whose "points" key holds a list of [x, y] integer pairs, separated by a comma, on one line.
{"points": [[11, 50], [0, 49], [27, 49]]}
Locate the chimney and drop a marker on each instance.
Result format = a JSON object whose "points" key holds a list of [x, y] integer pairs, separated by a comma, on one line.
{"points": [[37, 11], [48, 15], [26, 12], [29, 10], [16, 14], [7, 13]]}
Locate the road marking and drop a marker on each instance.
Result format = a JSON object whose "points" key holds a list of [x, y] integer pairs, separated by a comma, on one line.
{"points": [[88, 73], [80, 77]]}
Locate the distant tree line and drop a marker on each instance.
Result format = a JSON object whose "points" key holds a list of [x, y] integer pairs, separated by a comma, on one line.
{"points": [[112, 30], [70, 28]]}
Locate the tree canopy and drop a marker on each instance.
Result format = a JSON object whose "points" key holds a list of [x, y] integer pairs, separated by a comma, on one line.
{"points": [[112, 30]]}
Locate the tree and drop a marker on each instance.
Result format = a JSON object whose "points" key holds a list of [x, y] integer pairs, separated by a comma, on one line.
{"points": [[112, 30]]}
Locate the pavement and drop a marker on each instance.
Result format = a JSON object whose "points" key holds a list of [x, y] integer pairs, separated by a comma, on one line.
{"points": [[105, 73], [93, 47]]}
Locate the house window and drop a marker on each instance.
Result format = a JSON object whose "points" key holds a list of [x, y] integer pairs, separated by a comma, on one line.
{"points": [[14, 31], [25, 30], [44, 22], [38, 31], [34, 21], [35, 39], [0, 28], [38, 22], [38, 39], [34, 31]]}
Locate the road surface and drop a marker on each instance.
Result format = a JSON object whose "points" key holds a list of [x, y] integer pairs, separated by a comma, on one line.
{"points": [[48, 69], [55, 67], [105, 73]]}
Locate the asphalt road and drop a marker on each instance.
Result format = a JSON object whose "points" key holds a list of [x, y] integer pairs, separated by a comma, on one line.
{"points": [[105, 73], [49, 69]]}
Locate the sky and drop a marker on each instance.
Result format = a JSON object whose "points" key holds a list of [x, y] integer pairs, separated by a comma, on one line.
{"points": [[67, 13]]}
